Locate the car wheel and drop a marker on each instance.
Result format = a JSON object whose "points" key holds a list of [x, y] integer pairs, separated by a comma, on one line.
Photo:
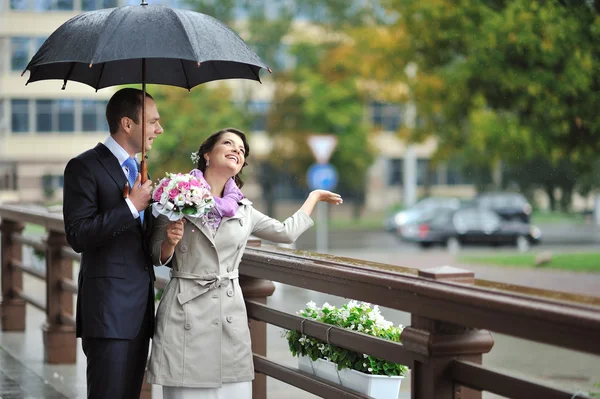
{"points": [[523, 244], [453, 245]]}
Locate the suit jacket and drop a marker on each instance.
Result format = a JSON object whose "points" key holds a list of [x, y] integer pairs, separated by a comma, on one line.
{"points": [[116, 276]]}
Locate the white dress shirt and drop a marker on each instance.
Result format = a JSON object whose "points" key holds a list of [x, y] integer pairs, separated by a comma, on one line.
{"points": [[121, 156]]}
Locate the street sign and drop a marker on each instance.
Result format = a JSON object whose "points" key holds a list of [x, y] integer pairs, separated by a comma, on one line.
{"points": [[322, 176], [322, 147]]}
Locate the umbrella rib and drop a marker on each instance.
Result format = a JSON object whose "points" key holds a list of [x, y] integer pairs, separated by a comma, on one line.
{"points": [[255, 74], [100, 76], [185, 75], [69, 72]]}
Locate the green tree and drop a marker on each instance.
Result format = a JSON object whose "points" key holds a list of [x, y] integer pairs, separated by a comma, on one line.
{"points": [[188, 118], [313, 99], [504, 79]]}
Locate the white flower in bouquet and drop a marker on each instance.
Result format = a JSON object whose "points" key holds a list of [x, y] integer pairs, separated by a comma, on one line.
{"points": [[181, 195]]}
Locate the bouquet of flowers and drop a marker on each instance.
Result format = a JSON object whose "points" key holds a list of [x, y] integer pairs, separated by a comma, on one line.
{"points": [[179, 195]]}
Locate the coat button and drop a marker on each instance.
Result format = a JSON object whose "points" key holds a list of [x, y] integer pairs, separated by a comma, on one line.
{"points": [[187, 326], [230, 293], [241, 222], [240, 245], [229, 319], [183, 248]]}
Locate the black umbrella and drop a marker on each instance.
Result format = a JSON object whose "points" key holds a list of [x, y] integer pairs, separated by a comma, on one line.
{"points": [[144, 44]]}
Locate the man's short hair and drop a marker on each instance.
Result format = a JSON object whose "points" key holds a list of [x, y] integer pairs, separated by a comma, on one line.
{"points": [[124, 103]]}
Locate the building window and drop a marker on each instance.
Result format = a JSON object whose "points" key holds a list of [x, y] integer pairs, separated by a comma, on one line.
{"points": [[44, 116], [93, 118], [19, 4], [20, 116], [386, 116], [53, 5], [19, 53], [423, 172], [66, 115], [395, 172], [91, 5]]}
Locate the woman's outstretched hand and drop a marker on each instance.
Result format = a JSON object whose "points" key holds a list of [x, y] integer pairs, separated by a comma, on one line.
{"points": [[320, 196], [327, 196]]}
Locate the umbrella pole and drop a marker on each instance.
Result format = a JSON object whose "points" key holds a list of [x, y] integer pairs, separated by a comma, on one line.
{"points": [[144, 164]]}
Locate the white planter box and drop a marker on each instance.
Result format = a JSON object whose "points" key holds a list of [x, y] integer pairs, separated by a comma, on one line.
{"points": [[376, 386]]}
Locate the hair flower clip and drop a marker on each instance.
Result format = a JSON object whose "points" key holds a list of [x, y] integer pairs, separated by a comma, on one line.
{"points": [[195, 157]]}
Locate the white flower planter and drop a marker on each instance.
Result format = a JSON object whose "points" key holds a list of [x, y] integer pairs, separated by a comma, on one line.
{"points": [[376, 386]]}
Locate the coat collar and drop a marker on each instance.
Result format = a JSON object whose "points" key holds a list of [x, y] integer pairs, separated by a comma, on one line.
{"points": [[241, 212]]}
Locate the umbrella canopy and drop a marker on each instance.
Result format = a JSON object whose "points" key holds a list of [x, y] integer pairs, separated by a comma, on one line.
{"points": [[110, 47], [143, 44]]}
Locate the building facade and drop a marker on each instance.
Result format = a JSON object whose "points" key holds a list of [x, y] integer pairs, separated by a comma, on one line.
{"points": [[42, 126]]}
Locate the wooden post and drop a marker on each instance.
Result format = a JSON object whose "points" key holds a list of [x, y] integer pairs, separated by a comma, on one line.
{"points": [[60, 343], [257, 290], [13, 307], [443, 342]]}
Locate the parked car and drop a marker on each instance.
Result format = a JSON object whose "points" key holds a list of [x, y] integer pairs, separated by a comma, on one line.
{"points": [[470, 226], [509, 206], [424, 209]]}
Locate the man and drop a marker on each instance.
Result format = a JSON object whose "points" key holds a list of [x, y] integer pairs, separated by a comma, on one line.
{"points": [[115, 302]]}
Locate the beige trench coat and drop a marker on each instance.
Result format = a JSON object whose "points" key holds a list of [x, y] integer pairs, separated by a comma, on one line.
{"points": [[202, 338]]}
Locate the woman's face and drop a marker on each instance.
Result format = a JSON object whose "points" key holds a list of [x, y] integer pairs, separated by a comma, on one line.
{"points": [[228, 154]]}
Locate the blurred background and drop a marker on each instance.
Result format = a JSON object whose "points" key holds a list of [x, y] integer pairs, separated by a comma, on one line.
{"points": [[467, 134], [457, 124]]}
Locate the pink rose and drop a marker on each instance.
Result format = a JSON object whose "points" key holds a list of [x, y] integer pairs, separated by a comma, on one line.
{"points": [[183, 186], [158, 193], [173, 193], [196, 183]]}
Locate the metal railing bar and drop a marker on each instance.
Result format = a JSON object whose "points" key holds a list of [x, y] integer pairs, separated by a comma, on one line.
{"points": [[481, 378], [304, 381], [36, 243], [30, 300], [68, 285], [28, 269], [381, 348]]}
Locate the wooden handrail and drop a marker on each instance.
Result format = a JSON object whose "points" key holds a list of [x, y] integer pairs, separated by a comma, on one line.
{"points": [[28, 269], [304, 381], [31, 300], [451, 306], [384, 349], [35, 243], [564, 324], [485, 379]]}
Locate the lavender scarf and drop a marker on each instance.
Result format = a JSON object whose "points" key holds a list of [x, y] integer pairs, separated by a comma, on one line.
{"points": [[225, 206]]}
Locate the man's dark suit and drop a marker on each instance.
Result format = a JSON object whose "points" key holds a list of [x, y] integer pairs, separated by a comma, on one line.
{"points": [[115, 306]]}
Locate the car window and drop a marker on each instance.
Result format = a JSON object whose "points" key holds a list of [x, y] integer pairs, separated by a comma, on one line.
{"points": [[466, 220], [489, 221]]}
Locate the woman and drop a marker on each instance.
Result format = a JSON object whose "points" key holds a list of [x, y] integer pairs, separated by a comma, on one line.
{"points": [[201, 346]]}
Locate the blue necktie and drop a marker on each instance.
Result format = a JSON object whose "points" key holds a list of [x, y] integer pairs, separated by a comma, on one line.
{"points": [[132, 172]]}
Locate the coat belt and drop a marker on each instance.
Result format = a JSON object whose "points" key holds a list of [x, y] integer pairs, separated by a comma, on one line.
{"points": [[204, 283]]}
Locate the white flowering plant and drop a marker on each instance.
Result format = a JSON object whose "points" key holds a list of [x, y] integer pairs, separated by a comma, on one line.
{"points": [[357, 316], [179, 195]]}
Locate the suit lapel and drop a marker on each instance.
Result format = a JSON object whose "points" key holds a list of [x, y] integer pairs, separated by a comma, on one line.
{"points": [[111, 164]]}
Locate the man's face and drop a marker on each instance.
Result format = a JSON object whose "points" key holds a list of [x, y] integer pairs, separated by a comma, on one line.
{"points": [[153, 128]]}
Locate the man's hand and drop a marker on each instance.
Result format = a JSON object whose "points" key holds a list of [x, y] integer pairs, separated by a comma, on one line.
{"points": [[140, 194]]}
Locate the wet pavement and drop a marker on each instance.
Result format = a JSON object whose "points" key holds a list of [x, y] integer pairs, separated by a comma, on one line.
{"points": [[24, 375]]}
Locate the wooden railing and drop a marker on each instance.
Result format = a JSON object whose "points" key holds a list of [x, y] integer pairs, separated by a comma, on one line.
{"points": [[451, 313]]}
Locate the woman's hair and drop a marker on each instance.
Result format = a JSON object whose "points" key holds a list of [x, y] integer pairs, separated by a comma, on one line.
{"points": [[210, 142]]}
